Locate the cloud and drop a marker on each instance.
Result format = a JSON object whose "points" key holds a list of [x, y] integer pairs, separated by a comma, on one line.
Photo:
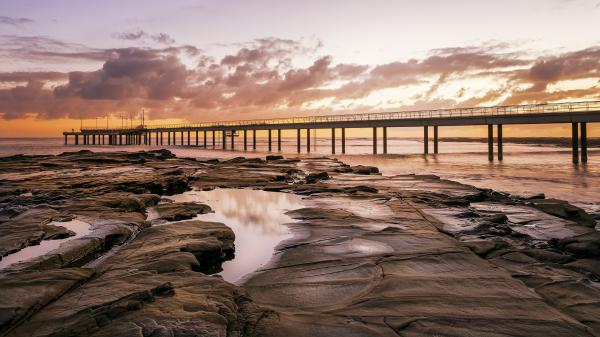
{"points": [[265, 77], [141, 35], [17, 22]]}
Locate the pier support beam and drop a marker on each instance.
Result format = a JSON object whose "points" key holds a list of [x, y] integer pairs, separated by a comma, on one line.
{"points": [[232, 140], [333, 140], [499, 139], [426, 139], [343, 140], [188, 135], [196, 137], [204, 136], [76, 139], [65, 139], [279, 140], [375, 140], [298, 140], [224, 139], [169, 138], [174, 136], [575, 142], [270, 145], [385, 140], [254, 140], [213, 139], [490, 142], [181, 133], [245, 140], [435, 139], [120, 139], [308, 140], [584, 142]]}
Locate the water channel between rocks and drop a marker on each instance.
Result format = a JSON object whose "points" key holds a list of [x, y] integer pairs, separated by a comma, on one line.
{"points": [[78, 227], [256, 217]]}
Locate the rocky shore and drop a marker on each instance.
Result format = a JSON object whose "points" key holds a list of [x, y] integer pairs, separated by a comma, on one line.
{"points": [[370, 255]]}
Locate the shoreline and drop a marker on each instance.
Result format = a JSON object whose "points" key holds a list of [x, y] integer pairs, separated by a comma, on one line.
{"points": [[368, 235]]}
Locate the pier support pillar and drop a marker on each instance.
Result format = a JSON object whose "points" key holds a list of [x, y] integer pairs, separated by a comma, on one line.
{"points": [[120, 139], [189, 137], [575, 142], [65, 139], [149, 138], [254, 140], [308, 140], [224, 139], [426, 139], [270, 146], [93, 139], [174, 136], [374, 140], [204, 136], [213, 139], [181, 133], [584, 142], [385, 140], [232, 140], [490, 142], [245, 140], [169, 138], [499, 139], [333, 140], [298, 140], [157, 137], [76, 139], [435, 139], [343, 140], [279, 140]]}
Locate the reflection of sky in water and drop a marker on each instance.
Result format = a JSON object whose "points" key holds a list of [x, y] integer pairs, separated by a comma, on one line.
{"points": [[257, 219], [80, 229]]}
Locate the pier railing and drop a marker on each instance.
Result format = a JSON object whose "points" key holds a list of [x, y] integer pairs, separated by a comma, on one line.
{"points": [[419, 114]]}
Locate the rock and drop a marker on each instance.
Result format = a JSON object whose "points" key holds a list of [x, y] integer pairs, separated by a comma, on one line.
{"points": [[585, 245], [360, 188], [274, 157], [484, 247], [180, 210], [545, 255], [314, 177], [497, 218], [365, 170], [563, 209]]}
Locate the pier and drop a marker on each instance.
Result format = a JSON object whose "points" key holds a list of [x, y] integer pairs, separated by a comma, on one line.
{"points": [[578, 114]]}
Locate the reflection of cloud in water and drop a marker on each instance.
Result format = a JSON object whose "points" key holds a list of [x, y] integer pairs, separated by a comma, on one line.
{"points": [[256, 217]]}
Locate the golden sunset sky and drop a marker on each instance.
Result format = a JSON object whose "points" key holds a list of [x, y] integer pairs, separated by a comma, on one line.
{"points": [[63, 63]]}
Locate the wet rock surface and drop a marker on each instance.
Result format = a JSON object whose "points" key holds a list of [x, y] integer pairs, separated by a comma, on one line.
{"points": [[373, 255]]}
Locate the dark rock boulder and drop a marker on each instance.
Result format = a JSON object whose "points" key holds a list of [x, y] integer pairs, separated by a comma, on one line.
{"points": [[365, 170], [314, 177], [180, 210], [273, 157], [563, 209], [585, 245]]}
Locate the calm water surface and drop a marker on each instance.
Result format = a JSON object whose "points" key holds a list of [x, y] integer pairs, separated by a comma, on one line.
{"points": [[256, 217]]}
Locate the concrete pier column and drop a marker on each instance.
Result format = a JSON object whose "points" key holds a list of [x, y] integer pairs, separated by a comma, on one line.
{"points": [[343, 140], [213, 139], [490, 142], [232, 140], [575, 142], [189, 138], [254, 140], [426, 139], [84, 139], [385, 140], [270, 146], [298, 140], [308, 140], [76, 139], [182, 138], [435, 139], [333, 140], [156, 137], [149, 138], [224, 139], [204, 136], [245, 140], [120, 139], [499, 137], [65, 139], [174, 138], [375, 140], [584, 142], [169, 138], [196, 137], [279, 140], [93, 139]]}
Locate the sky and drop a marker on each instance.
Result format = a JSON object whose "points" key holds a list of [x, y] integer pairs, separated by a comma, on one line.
{"points": [[64, 63]]}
